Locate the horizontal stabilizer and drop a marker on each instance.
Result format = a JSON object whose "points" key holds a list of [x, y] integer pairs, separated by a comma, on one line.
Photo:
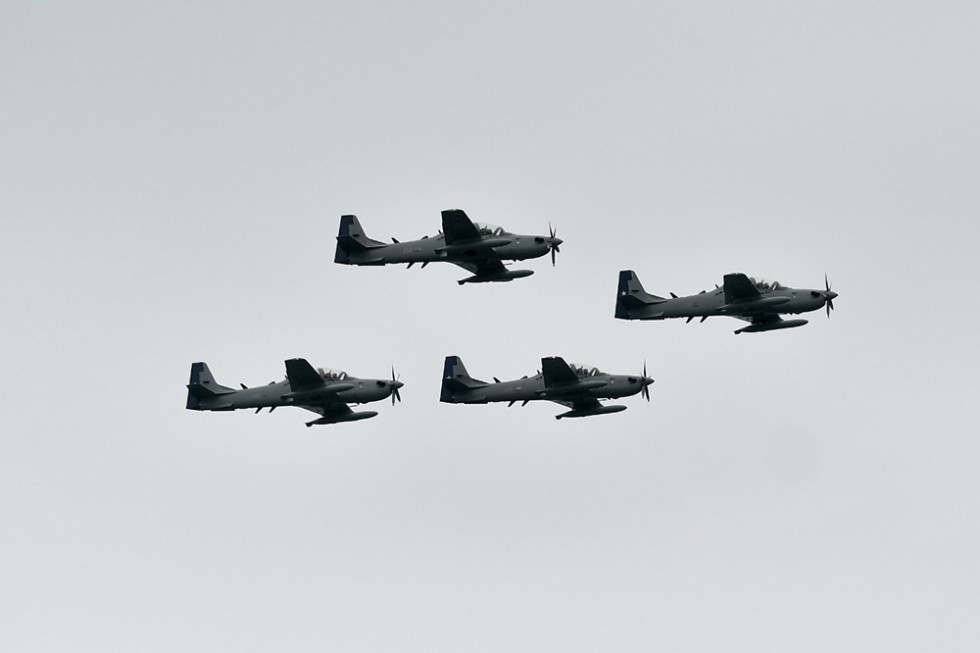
{"points": [[353, 243], [455, 379], [630, 295], [202, 387]]}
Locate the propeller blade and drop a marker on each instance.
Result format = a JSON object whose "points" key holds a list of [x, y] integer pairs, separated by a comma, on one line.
{"points": [[645, 381], [258, 410], [411, 263], [511, 403], [272, 409], [244, 387], [525, 403], [646, 388], [395, 395], [829, 295], [553, 232]]}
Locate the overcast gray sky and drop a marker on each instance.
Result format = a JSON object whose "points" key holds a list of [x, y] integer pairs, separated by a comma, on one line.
{"points": [[171, 181]]}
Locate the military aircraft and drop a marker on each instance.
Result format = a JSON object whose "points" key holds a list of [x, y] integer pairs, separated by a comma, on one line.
{"points": [[756, 301], [327, 392], [577, 387], [476, 247]]}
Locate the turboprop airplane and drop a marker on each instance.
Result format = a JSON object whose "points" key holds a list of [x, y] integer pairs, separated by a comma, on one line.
{"points": [[476, 247], [577, 387], [326, 392], [756, 301]]}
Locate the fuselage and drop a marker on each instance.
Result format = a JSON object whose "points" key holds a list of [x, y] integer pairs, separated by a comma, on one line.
{"points": [[278, 393], [504, 246], [600, 386], [712, 303]]}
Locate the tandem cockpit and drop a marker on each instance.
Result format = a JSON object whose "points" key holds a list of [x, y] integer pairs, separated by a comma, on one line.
{"points": [[584, 370], [487, 229], [331, 375], [765, 285]]}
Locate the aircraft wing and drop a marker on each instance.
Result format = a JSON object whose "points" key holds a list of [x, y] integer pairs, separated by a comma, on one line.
{"points": [[583, 403], [457, 227], [332, 410], [557, 372], [739, 287], [482, 266], [302, 376], [762, 318]]}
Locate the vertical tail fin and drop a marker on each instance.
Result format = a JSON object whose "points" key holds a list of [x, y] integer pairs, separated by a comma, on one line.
{"points": [[351, 240], [202, 386], [455, 378], [631, 294]]}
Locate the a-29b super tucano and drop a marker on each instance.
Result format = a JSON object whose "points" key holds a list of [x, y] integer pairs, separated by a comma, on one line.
{"points": [[577, 387], [756, 301], [479, 248], [326, 392]]}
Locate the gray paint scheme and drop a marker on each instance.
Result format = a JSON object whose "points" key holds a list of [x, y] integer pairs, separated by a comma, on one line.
{"points": [[480, 249], [325, 392], [579, 388], [759, 302]]}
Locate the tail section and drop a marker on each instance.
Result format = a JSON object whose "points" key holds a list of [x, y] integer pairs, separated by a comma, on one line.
{"points": [[352, 242], [202, 387], [632, 295], [455, 379]]}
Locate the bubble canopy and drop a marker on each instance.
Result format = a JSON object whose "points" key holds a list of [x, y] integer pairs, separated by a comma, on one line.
{"points": [[585, 370], [765, 285], [488, 229], [332, 375]]}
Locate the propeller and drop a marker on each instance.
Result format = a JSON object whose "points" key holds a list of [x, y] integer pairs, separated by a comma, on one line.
{"points": [[553, 243], [829, 295], [645, 381], [395, 384]]}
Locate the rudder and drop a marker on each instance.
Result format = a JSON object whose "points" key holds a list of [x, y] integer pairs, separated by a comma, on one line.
{"points": [[631, 294], [202, 386], [351, 240], [456, 378]]}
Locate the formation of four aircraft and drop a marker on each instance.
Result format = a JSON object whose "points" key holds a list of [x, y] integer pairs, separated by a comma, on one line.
{"points": [[481, 249]]}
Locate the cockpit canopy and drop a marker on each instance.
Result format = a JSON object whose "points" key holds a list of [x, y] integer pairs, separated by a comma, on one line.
{"points": [[584, 370], [487, 229], [331, 375], [765, 285]]}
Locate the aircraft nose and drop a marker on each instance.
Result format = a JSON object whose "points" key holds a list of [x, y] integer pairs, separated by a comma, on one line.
{"points": [[831, 295], [397, 384], [556, 241]]}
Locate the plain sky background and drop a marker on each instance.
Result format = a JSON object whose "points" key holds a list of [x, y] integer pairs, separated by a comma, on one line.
{"points": [[171, 181]]}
